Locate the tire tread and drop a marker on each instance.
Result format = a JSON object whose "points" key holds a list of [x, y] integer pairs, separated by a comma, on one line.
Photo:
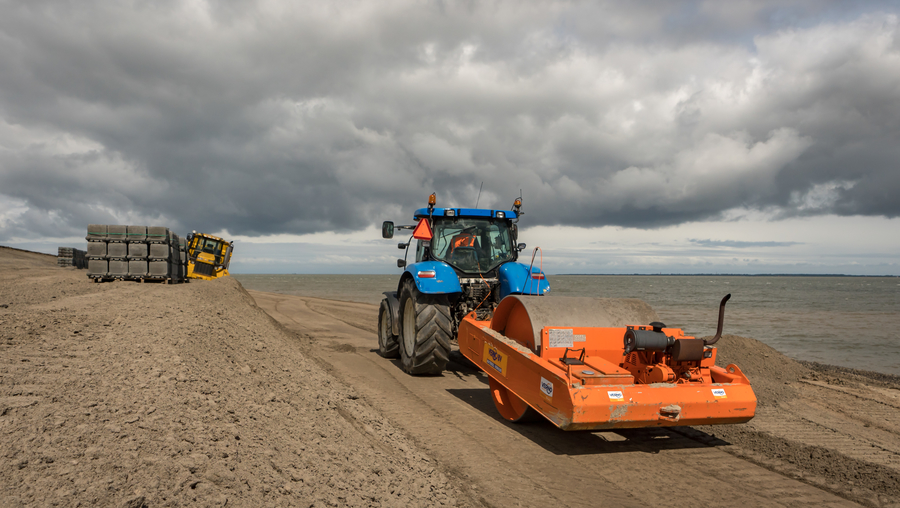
{"points": [[388, 347], [433, 333]]}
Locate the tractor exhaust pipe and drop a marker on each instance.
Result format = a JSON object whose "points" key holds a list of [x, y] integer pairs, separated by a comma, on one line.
{"points": [[721, 322]]}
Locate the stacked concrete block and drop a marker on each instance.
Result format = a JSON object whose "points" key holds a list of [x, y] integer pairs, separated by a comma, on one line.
{"points": [[64, 256], [182, 257], [157, 234], [80, 259], [134, 253], [118, 268], [69, 256], [138, 250], [175, 266], [97, 249], [158, 265], [159, 268], [116, 234], [159, 252], [137, 268], [96, 233], [117, 250], [174, 258], [136, 234], [97, 252], [98, 268]]}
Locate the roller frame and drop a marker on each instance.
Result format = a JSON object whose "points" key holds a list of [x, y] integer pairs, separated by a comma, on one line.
{"points": [[514, 350]]}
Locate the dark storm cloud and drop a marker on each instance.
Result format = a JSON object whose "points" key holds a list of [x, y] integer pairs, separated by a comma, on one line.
{"points": [[269, 117]]}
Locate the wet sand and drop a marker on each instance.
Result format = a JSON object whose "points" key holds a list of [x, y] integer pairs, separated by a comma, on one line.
{"points": [[125, 394]]}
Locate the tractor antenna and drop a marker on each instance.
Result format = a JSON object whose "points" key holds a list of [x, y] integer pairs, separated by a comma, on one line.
{"points": [[479, 194]]}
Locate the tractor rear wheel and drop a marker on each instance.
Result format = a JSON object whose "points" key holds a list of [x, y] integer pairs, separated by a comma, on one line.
{"points": [[424, 332], [388, 344]]}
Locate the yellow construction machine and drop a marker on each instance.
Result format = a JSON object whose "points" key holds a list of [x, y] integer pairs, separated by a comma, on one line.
{"points": [[208, 256]]}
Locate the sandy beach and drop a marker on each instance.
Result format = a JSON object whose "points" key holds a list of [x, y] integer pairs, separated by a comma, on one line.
{"points": [[204, 394]]}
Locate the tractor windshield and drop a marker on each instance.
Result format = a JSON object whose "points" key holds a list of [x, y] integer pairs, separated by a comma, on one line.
{"points": [[472, 245]]}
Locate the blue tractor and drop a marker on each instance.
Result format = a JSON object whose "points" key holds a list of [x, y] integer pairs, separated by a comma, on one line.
{"points": [[466, 261]]}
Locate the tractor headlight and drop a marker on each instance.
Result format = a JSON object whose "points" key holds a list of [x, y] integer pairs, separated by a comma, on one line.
{"points": [[501, 215], [450, 213]]}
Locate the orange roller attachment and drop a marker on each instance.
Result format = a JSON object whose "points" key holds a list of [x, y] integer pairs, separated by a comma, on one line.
{"points": [[511, 407], [586, 363]]}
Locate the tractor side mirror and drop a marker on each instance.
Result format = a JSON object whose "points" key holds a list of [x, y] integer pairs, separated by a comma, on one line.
{"points": [[402, 245], [387, 229], [520, 247], [401, 263]]}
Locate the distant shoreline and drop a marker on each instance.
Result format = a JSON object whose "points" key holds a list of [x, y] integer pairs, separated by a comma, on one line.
{"points": [[578, 274], [721, 275], [623, 274]]}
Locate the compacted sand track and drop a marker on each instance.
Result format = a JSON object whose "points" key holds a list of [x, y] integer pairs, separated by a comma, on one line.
{"points": [[124, 394], [819, 439]]}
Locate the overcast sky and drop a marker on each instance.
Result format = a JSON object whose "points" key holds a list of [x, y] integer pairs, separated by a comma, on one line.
{"points": [[738, 136]]}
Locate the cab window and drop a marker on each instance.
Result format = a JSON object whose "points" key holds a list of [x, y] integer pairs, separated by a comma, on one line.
{"points": [[472, 245], [420, 251]]}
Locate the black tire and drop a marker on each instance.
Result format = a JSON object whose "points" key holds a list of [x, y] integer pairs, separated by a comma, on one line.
{"points": [[425, 329], [388, 343]]}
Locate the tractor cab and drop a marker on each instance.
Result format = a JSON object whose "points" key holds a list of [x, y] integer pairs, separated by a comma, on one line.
{"points": [[471, 245]]}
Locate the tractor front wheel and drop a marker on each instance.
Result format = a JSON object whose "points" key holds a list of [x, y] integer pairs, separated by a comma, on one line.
{"points": [[424, 332], [388, 345]]}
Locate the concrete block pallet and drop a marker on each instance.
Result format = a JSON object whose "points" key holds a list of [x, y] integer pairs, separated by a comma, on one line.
{"points": [[137, 253], [68, 256]]}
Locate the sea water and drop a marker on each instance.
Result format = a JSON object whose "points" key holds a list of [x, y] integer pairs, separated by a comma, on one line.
{"points": [[847, 321]]}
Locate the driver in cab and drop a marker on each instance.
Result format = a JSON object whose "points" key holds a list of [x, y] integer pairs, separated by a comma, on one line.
{"points": [[466, 238]]}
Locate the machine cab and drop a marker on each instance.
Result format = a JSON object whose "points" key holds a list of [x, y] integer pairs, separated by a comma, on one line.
{"points": [[474, 245], [208, 256]]}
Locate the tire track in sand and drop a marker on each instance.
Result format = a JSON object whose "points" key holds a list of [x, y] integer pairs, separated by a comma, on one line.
{"points": [[452, 417]]}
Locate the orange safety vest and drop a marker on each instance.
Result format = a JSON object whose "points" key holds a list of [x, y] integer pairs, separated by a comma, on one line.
{"points": [[465, 240]]}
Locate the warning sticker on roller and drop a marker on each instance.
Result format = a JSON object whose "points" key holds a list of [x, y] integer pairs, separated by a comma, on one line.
{"points": [[579, 338], [616, 396], [719, 393], [561, 337], [547, 389]]}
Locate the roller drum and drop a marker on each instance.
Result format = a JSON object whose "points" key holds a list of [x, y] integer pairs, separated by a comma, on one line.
{"points": [[522, 318]]}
